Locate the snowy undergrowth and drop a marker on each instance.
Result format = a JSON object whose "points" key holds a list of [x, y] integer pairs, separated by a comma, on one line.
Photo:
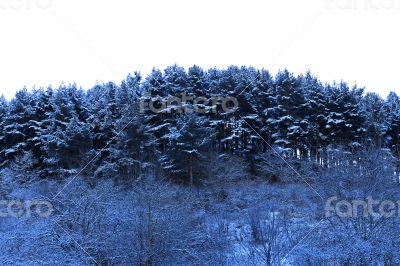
{"points": [[110, 224], [236, 222]]}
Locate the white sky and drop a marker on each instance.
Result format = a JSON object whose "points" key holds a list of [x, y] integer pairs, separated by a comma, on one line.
{"points": [[49, 41]]}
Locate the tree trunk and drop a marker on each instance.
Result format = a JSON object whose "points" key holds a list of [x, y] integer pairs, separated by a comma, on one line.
{"points": [[191, 170]]}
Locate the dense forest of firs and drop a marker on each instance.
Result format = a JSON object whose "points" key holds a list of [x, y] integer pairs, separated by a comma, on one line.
{"points": [[195, 167], [108, 129]]}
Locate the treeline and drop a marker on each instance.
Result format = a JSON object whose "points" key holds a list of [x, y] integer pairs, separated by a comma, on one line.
{"points": [[108, 129]]}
